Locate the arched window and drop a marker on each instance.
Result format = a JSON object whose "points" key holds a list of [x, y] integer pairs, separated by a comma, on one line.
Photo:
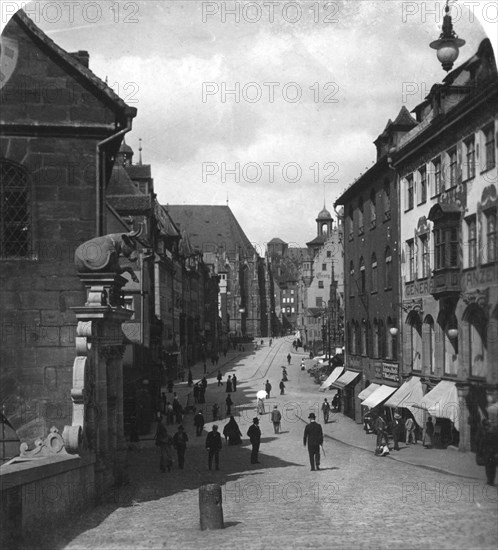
{"points": [[475, 326], [363, 337], [354, 341], [351, 222], [373, 273], [391, 340], [362, 276], [373, 209], [351, 278], [349, 338], [375, 339], [15, 211], [428, 343], [387, 200], [449, 333], [388, 274], [381, 340], [361, 228], [414, 322]]}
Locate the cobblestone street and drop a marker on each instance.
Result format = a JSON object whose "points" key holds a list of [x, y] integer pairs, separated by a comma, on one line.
{"points": [[357, 500]]}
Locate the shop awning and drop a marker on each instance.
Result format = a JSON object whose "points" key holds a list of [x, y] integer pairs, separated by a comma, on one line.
{"points": [[379, 395], [334, 375], [409, 396], [348, 377], [367, 391], [442, 402]]}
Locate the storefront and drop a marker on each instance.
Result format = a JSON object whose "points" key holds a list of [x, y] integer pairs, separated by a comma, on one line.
{"points": [[346, 384]]}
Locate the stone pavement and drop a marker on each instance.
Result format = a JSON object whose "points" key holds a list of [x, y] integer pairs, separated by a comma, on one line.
{"points": [[357, 500]]}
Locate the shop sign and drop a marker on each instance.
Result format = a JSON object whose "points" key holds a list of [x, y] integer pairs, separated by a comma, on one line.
{"points": [[481, 276], [390, 371], [378, 370], [419, 288]]}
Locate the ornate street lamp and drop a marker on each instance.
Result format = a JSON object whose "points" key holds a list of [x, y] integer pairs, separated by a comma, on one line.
{"points": [[393, 331], [448, 43]]}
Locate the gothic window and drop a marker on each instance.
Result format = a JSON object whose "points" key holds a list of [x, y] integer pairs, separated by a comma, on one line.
{"points": [[475, 326], [471, 242], [410, 252], [388, 269], [351, 222], [362, 276], [436, 168], [428, 341], [360, 216], [373, 209], [452, 156], [387, 200], [424, 247], [409, 192], [374, 273], [351, 278], [363, 337], [391, 341], [489, 147], [491, 241], [15, 213], [375, 340], [415, 339], [381, 340], [470, 154]]}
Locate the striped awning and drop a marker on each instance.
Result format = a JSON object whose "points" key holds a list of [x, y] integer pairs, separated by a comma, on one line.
{"points": [[442, 402], [334, 375], [348, 377], [379, 395], [367, 391]]}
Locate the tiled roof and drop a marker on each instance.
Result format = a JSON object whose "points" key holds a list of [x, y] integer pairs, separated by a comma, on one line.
{"points": [[138, 171], [130, 204], [319, 239], [211, 226], [120, 183], [276, 240], [299, 254], [404, 118], [102, 89]]}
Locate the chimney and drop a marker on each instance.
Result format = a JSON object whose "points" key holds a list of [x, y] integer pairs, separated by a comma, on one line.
{"points": [[82, 56]]}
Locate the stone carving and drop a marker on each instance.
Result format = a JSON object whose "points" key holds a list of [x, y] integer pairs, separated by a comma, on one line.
{"points": [[415, 304], [478, 297], [52, 445], [101, 255]]}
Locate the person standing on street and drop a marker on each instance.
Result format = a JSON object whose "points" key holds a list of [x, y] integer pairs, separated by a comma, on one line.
{"points": [[219, 378], [410, 431], [164, 442], [396, 429], [232, 432], [229, 384], [254, 434], [234, 382], [325, 410], [282, 387], [213, 445], [229, 403], [198, 423], [180, 444], [260, 406], [429, 433], [289, 357], [313, 436], [380, 427], [267, 389], [487, 449], [276, 418]]}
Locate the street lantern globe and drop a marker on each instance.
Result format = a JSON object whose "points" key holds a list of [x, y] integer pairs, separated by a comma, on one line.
{"points": [[453, 333], [448, 44], [242, 309], [393, 331]]}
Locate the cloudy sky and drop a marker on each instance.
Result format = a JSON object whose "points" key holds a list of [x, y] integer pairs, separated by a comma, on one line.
{"points": [[315, 82]]}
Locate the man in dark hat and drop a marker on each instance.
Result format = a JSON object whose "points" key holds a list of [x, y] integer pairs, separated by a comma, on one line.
{"points": [[254, 434], [180, 444], [213, 445], [313, 435]]}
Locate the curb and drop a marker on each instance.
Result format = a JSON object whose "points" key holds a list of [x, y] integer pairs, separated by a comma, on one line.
{"points": [[426, 466]]}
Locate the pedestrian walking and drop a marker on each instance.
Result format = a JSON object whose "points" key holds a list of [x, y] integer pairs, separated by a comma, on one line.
{"points": [[254, 434], [271, 342], [276, 418], [215, 410], [396, 430], [202, 394], [164, 442], [487, 450], [229, 403], [190, 379], [170, 413], [313, 437], [410, 429], [196, 392], [177, 409], [163, 402], [219, 377], [198, 423], [325, 410], [170, 386], [180, 444], [282, 387], [213, 445], [427, 440], [260, 406], [229, 384], [234, 382], [204, 382], [380, 427], [232, 432], [267, 389], [289, 357]]}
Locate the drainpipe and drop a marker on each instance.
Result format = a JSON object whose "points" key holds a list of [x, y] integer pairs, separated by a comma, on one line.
{"points": [[100, 171]]}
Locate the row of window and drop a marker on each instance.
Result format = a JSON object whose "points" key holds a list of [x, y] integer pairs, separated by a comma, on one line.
{"points": [[446, 247], [441, 174], [358, 283], [287, 300], [374, 340], [360, 224]]}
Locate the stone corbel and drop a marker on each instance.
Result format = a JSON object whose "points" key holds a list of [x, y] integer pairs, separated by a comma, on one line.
{"points": [[478, 297], [415, 304], [73, 435]]}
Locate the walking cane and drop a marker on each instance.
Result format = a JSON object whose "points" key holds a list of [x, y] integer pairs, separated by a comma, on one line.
{"points": [[323, 451]]}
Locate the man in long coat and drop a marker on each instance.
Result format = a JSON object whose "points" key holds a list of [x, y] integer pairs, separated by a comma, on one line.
{"points": [[313, 436], [254, 434]]}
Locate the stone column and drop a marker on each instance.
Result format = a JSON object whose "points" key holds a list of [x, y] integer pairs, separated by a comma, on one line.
{"points": [[97, 424]]}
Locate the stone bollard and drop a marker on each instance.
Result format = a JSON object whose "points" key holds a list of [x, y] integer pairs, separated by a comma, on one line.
{"points": [[210, 507]]}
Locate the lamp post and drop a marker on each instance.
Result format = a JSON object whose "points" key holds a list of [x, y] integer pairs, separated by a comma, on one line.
{"points": [[448, 43]]}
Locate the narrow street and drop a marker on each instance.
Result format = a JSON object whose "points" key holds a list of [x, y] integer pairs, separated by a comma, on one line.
{"points": [[356, 501]]}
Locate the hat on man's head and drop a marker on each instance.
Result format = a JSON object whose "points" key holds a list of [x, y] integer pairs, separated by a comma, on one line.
{"points": [[255, 420], [215, 427], [275, 406], [312, 415]]}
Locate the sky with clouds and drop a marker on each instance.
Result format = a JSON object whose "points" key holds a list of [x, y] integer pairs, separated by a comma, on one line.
{"points": [[317, 83]]}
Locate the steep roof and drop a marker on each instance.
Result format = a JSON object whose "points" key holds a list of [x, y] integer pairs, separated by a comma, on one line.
{"points": [[299, 254], [73, 65], [404, 119], [211, 225], [276, 240], [120, 182]]}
